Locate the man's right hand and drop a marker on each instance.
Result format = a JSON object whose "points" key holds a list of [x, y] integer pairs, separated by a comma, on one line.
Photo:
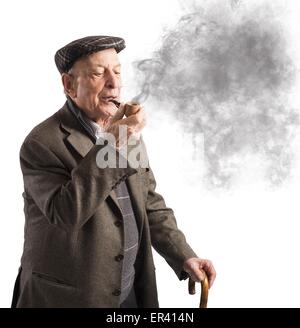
{"points": [[133, 124]]}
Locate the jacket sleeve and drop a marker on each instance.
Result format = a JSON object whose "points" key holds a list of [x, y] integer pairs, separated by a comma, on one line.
{"points": [[166, 238], [67, 199]]}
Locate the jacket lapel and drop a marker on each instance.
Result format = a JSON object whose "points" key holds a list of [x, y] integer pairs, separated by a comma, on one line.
{"points": [[79, 140], [77, 136]]}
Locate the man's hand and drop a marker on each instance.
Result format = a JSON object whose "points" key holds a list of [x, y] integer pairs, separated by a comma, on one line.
{"points": [[193, 265], [134, 124]]}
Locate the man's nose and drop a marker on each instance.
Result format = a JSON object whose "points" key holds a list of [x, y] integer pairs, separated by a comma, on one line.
{"points": [[113, 80]]}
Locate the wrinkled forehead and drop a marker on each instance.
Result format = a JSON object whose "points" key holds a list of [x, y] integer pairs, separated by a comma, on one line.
{"points": [[107, 58]]}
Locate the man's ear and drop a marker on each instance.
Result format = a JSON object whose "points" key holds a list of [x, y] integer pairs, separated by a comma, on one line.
{"points": [[69, 85]]}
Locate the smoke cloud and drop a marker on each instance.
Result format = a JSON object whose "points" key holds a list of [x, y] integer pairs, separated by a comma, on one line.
{"points": [[224, 72]]}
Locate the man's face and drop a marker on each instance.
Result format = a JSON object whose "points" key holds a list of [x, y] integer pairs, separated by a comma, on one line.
{"points": [[95, 80]]}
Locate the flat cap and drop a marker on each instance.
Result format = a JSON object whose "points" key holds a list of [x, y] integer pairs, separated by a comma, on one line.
{"points": [[67, 55]]}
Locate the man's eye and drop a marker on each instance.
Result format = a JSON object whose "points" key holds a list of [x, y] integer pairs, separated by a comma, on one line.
{"points": [[98, 73], [117, 73]]}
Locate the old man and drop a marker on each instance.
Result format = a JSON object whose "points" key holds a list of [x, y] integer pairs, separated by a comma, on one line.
{"points": [[89, 228]]}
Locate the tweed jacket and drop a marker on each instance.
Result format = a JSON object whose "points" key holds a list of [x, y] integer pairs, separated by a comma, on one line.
{"points": [[73, 235]]}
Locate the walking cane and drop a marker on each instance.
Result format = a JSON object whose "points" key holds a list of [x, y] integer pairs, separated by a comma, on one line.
{"points": [[204, 290]]}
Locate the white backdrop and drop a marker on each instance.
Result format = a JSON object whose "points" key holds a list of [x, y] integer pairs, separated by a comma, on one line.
{"points": [[250, 232]]}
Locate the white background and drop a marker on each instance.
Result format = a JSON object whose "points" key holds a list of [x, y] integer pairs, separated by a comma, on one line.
{"points": [[250, 232]]}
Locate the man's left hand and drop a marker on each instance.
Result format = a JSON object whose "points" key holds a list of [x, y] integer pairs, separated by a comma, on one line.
{"points": [[193, 267]]}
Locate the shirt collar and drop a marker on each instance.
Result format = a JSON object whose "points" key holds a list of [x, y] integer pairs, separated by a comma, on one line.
{"points": [[94, 129], [97, 129]]}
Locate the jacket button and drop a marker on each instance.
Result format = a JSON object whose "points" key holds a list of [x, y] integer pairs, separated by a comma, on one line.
{"points": [[118, 223], [119, 257], [116, 292]]}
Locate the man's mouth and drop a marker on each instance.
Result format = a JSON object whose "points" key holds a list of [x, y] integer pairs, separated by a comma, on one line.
{"points": [[108, 99], [117, 103]]}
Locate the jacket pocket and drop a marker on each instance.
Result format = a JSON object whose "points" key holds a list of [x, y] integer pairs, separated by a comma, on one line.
{"points": [[52, 280]]}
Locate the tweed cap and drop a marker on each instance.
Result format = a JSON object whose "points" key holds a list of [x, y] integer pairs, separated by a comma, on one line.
{"points": [[67, 55]]}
